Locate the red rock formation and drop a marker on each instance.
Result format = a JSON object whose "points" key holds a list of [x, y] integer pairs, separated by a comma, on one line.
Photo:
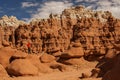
{"points": [[77, 32], [22, 67], [3, 72], [46, 58], [6, 54], [92, 30]]}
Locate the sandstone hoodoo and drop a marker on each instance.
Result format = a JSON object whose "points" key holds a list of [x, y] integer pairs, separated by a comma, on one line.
{"points": [[46, 58], [21, 67], [79, 40]]}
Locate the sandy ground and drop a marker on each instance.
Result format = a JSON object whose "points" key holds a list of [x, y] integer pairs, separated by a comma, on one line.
{"points": [[71, 75]]}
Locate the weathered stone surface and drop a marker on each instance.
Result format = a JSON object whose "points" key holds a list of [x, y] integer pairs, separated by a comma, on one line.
{"points": [[22, 67], [19, 55], [42, 68], [6, 54], [76, 27], [57, 54], [46, 58], [71, 28], [3, 72], [74, 61], [34, 59], [59, 66], [73, 52]]}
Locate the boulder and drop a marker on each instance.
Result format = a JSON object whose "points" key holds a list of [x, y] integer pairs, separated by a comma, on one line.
{"points": [[3, 72], [22, 67], [42, 68], [47, 58], [58, 66], [18, 55], [34, 59], [73, 53], [5, 55], [74, 61]]}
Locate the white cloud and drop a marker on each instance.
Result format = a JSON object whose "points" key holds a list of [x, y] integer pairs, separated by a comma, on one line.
{"points": [[109, 5], [26, 20], [85, 0], [55, 7], [116, 1], [112, 6], [29, 4], [1, 11], [115, 10], [30, 11], [78, 1], [104, 3]]}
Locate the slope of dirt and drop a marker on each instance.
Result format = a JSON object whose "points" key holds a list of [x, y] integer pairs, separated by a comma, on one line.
{"points": [[72, 75]]}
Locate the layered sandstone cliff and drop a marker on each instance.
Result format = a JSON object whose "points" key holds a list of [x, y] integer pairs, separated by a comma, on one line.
{"points": [[93, 30]]}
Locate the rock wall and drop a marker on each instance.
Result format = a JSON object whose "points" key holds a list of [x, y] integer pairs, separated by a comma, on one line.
{"points": [[93, 30]]}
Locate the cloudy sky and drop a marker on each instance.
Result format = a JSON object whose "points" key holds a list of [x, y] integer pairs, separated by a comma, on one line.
{"points": [[28, 9]]}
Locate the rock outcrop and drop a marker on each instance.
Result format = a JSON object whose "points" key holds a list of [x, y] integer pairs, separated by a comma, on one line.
{"points": [[109, 65], [92, 30], [22, 67], [46, 58], [6, 54]]}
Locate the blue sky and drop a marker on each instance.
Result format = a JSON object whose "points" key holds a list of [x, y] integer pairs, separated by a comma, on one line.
{"points": [[29, 9]]}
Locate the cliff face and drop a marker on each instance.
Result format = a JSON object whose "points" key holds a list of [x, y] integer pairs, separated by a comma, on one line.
{"points": [[92, 30]]}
